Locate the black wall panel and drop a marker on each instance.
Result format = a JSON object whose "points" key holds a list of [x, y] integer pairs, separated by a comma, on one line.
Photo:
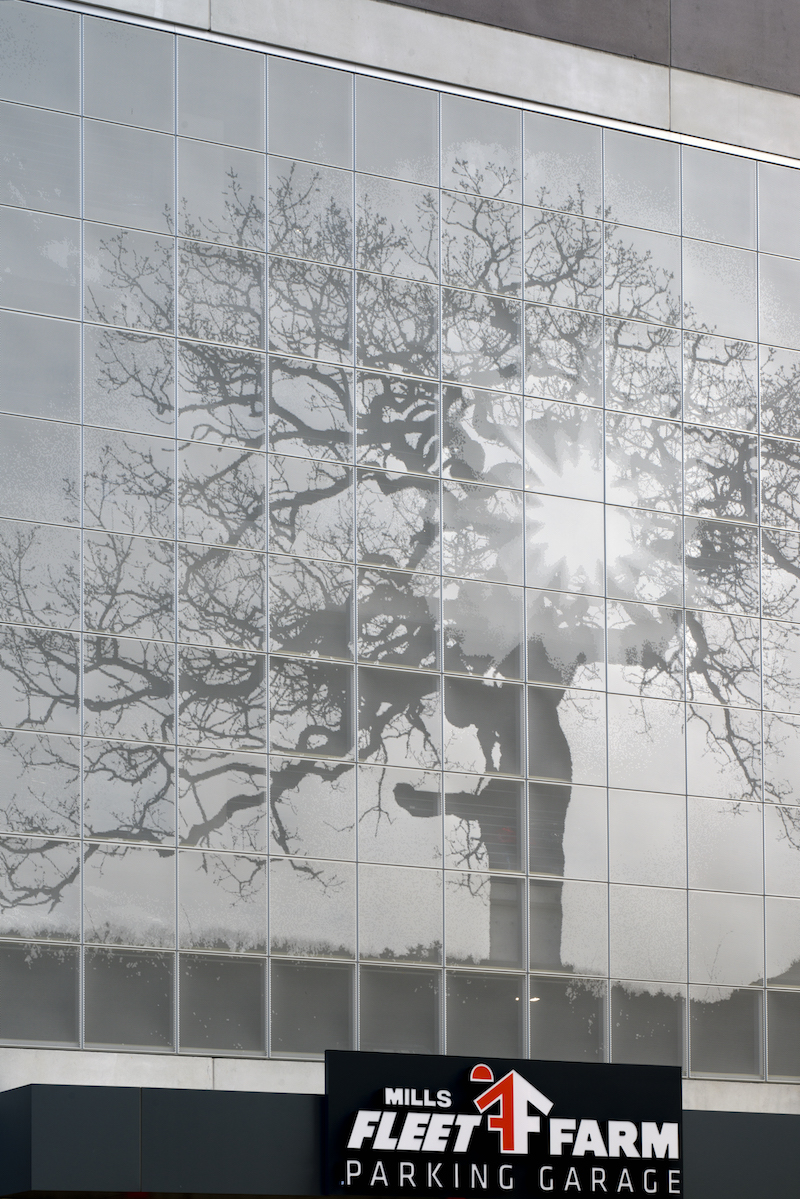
{"points": [[741, 1155], [231, 1142], [84, 1138], [120, 1139]]}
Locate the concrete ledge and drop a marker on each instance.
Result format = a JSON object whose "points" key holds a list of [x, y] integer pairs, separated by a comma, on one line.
{"points": [[20, 1067], [716, 1095], [249, 1074], [735, 113]]}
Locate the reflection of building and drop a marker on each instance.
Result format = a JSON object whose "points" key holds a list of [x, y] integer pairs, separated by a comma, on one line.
{"points": [[484, 422]]}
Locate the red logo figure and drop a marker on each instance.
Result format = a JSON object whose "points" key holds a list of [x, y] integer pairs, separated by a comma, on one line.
{"points": [[514, 1094]]}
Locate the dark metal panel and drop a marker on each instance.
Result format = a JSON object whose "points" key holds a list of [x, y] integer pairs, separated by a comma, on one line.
{"points": [[15, 1140], [84, 1138], [234, 1142], [80, 1139], [635, 28], [738, 1155], [756, 43]]}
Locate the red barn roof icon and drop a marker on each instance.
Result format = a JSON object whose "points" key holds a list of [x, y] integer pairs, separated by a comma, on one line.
{"points": [[515, 1095]]}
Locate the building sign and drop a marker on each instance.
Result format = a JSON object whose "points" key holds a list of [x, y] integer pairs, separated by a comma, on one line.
{"points": [[399, 1124]]}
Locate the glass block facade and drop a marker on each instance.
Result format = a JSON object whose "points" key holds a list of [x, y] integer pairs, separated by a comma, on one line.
{"points": [[399, 568]]}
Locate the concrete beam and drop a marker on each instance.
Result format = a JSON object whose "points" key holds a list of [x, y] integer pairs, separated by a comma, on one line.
{"points": [[20, 1067], [96, 1068], [735, 113], [718, 1095]]}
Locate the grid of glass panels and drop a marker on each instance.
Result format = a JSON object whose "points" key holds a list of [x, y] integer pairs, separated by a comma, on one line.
{"points": [[399, 568]]}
